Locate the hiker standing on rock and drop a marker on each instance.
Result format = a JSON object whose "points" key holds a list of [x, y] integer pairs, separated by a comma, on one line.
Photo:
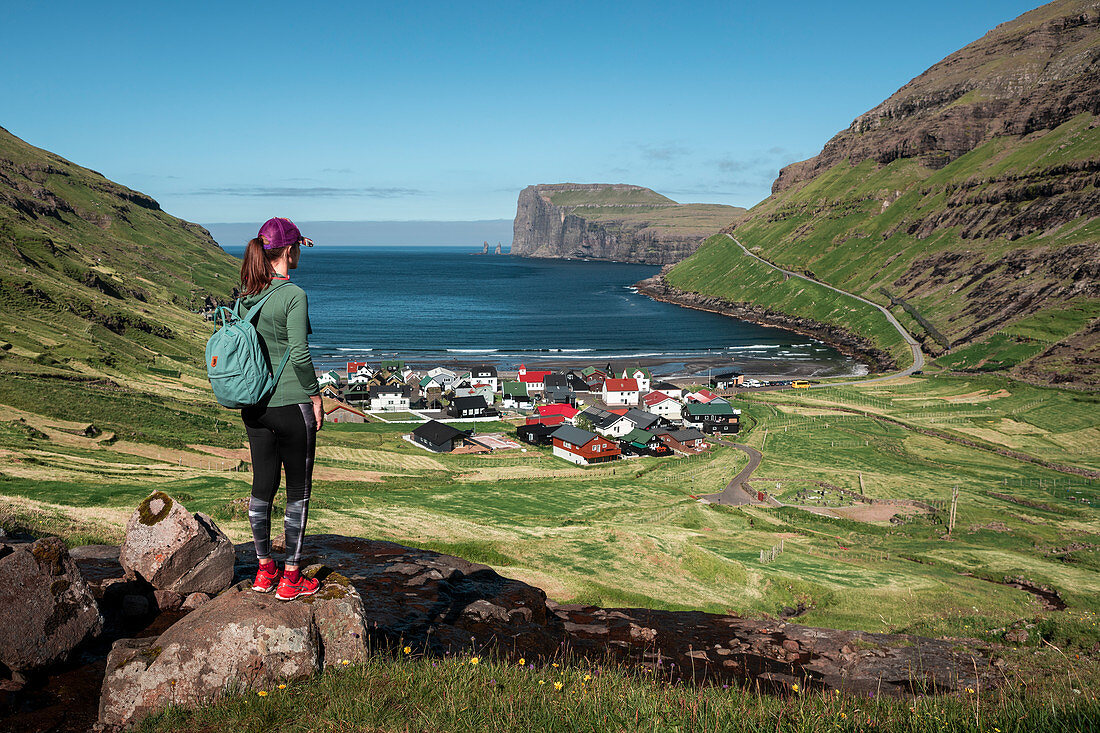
{"points": [[281, 429]]}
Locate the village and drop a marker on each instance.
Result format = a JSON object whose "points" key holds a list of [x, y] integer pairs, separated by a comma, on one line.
{"points": [[587, 416]]}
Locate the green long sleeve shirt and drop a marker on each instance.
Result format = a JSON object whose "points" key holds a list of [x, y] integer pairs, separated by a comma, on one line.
{"points": [[283, 324]]}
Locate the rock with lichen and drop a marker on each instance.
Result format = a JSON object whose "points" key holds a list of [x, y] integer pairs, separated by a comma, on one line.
{"points": [[47, 607], [175, 550]]}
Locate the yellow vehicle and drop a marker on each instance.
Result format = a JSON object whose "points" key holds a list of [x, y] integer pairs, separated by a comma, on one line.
{"points": [[800, 384]]}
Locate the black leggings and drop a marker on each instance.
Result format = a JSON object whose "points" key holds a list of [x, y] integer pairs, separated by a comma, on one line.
{"points": [[280, 437]]}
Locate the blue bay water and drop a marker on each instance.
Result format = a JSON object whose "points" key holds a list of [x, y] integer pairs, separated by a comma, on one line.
{"points": [[440, 304]]}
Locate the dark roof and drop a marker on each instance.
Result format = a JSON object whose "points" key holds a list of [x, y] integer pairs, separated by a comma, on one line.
{"points": [[727, 375], [380, 389], [662, 386], [601, 418], [484, 371], [555, 380], [686, 434], [437, 433], [641, 418], [573, 435], [469, 403], [537, 429]]}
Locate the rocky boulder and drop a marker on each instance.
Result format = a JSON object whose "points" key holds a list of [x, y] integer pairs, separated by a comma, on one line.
{"points": [[438, 602], [46, 606], [175, 550], [239, 640]]}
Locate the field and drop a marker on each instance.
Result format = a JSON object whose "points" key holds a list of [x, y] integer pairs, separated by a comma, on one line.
{"points": [[867, 473]]}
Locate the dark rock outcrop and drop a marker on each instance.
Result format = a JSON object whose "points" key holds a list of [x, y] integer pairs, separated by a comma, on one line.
{"points": [[175, 550], [46, 606], [615, 222], [380, 594]]}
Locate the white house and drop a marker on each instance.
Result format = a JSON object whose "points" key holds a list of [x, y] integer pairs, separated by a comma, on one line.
{"points": [[639, 375], [389, 398], [330, 377], [620, 392], [486, 375], [661, 405]]}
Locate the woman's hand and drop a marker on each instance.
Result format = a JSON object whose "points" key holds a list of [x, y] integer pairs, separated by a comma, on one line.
{"points": [[318, 410]]}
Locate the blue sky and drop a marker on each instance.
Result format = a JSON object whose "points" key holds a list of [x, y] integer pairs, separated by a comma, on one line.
{"points": [[233, 112]]}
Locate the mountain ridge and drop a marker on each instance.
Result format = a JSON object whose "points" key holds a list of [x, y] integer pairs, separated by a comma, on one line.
{"points": [[973, 217]]}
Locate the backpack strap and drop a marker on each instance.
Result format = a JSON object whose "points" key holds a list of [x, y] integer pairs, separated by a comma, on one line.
{"points": [[254, 310]]}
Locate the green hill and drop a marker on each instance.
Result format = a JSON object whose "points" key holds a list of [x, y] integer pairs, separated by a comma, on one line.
{"points": [[967, 202], [94, 277]]}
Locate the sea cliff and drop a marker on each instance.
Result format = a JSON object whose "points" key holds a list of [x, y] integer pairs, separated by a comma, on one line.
{"points": [[617, 222]]}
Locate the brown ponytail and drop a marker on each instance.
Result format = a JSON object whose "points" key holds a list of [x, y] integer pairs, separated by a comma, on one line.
{"points": [[256, 269]]}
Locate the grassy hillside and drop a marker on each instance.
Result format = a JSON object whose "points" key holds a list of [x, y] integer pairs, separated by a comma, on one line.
{"points": [[95, 278], [983, 240]]}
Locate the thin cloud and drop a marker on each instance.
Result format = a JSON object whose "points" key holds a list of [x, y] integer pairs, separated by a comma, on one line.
{"points": [[337, 170], [663, 153], [307, 192]]}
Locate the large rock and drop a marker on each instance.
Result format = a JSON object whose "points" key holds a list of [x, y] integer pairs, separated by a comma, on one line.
{"points": [[46, 606], [438, 602], [175, 550], [241, 639]]}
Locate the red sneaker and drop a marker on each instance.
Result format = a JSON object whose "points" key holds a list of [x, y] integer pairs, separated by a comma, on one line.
{"points": [[304, 586], [266, 579]]}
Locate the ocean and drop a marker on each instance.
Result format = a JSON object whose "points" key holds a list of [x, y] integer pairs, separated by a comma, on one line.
{"points": [[438, 305]]}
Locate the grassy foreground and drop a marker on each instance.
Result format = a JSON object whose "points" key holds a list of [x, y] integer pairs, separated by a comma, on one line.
{"points": [[478, 694]]}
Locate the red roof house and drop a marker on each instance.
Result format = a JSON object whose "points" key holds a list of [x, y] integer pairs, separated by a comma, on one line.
{"points": [[568, 412]]}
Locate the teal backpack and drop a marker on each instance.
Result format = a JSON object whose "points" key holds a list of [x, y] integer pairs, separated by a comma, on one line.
{"points": [[235, 362]]}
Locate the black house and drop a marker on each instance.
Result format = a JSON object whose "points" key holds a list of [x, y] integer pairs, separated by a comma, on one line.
{"points": [[474, 406], [536, 434], [435, 436], [726, 380]]}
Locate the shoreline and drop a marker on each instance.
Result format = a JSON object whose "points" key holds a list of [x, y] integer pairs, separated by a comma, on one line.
{"points": [[661, 367], [856, 347]]}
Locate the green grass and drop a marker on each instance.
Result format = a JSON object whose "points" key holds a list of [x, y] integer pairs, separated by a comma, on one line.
{"points": [[720, 268], [452, 694]]}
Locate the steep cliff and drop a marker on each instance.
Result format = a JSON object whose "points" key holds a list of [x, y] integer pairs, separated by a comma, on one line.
{"points": [[613, 222], [968, 201], [93, 275]]}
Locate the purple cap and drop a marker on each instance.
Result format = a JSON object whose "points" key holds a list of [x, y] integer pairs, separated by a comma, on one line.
{"points": [[281, 232]]}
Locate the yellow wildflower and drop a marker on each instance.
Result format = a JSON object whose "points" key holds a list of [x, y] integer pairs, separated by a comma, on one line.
{"points": [[282, 686], [794, 687], [345, 662], [262, 693], [408, 650], [555, 664], [557, 685], [587, 677], [522, 661], [475, 660], [542, 682]]}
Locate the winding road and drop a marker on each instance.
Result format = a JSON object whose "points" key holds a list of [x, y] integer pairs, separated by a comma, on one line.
{"points": [[735, 494], [914, 345]]}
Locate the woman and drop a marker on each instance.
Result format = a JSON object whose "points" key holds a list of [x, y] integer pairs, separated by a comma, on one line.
{"points": [[282, 429]]}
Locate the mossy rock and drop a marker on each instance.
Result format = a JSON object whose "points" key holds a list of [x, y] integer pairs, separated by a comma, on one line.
{"points": [[149, 513]]}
